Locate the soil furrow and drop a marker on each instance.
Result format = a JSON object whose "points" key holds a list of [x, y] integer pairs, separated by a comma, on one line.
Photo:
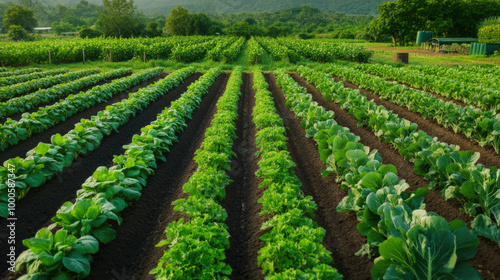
{"points": [[488, 155], [132, 255], [65, 126], [326, 193], [45, 200], [242, 194], [488, 255], [18, 116]]}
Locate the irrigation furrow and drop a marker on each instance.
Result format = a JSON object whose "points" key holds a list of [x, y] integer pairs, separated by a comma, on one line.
{"points": [[46, 200]]}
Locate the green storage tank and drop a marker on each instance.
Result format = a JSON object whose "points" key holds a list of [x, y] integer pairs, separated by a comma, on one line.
{"points": [[472, 47], [482, 49], [423, 36], [490, 48]]}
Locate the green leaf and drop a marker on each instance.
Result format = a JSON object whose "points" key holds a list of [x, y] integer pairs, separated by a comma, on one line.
{"points": [[444, 161], [35, 179], [25, 257], [466, 241], [42, 149], [390, 179], [434, 254], [379, 268], [93, 212], [395, 248], [38, 245], [468, 189], [105, 234], [86, 245], [372, 180], [77, 263], [57, 139], [464, 271], [421, 168], [49, 260], [483, 226]]}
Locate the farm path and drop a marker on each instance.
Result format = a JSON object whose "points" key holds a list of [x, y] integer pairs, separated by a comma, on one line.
{"points": [[242, 194]]}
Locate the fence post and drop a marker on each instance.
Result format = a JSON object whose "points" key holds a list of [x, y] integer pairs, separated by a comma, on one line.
{"points": [[83, 56], [50, 58], [144, 57], [110, 55]]}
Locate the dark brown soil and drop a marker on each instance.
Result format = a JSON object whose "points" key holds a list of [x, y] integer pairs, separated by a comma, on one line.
{"points": [[342, 237], [242, 194], [45, 200], [488, 155], [133, 253], [485, 259], [37, 107], [64, 127]]}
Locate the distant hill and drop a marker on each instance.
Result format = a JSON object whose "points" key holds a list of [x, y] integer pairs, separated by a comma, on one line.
{"points": [[237, 6]]}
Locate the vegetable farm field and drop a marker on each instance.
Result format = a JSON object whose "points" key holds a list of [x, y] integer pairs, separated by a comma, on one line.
{"points": [[323, 169]]}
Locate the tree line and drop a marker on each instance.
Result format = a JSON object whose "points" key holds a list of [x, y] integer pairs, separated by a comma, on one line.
{"points": [[398, 21], [120, 18], [401, 20]]}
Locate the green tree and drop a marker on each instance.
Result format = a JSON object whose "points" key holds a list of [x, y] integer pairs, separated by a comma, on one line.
{"points": [[61, 27], [243, 29], [178, 21], [402, 19], [151, 30], [20, 16], [86, 32], [17, 33], [118, 19]]}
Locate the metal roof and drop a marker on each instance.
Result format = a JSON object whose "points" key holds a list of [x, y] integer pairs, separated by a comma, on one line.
{"points": [[449, 41]]}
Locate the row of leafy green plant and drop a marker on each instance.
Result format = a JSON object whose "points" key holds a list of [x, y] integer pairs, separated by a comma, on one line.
{"points": [[11, 132], [62, 51], [482, 69], [19, 72], [443, 165], [196, 247], [278, 52], [46, 160], [479, 77], [476, 124], [293, 241], [230, 54], [7, 81], [323, 51], [255, 52], [193, 52], [28, 86], [412, 243], [474, 94], [80, 226], [4, 69], [215, 54], [26, 102]]}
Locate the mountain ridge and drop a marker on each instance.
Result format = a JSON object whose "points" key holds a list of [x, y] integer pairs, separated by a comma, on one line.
{"points": [[238, 6]]}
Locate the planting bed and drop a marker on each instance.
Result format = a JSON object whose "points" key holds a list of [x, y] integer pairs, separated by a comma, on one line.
{"points": [[133, 254]]}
